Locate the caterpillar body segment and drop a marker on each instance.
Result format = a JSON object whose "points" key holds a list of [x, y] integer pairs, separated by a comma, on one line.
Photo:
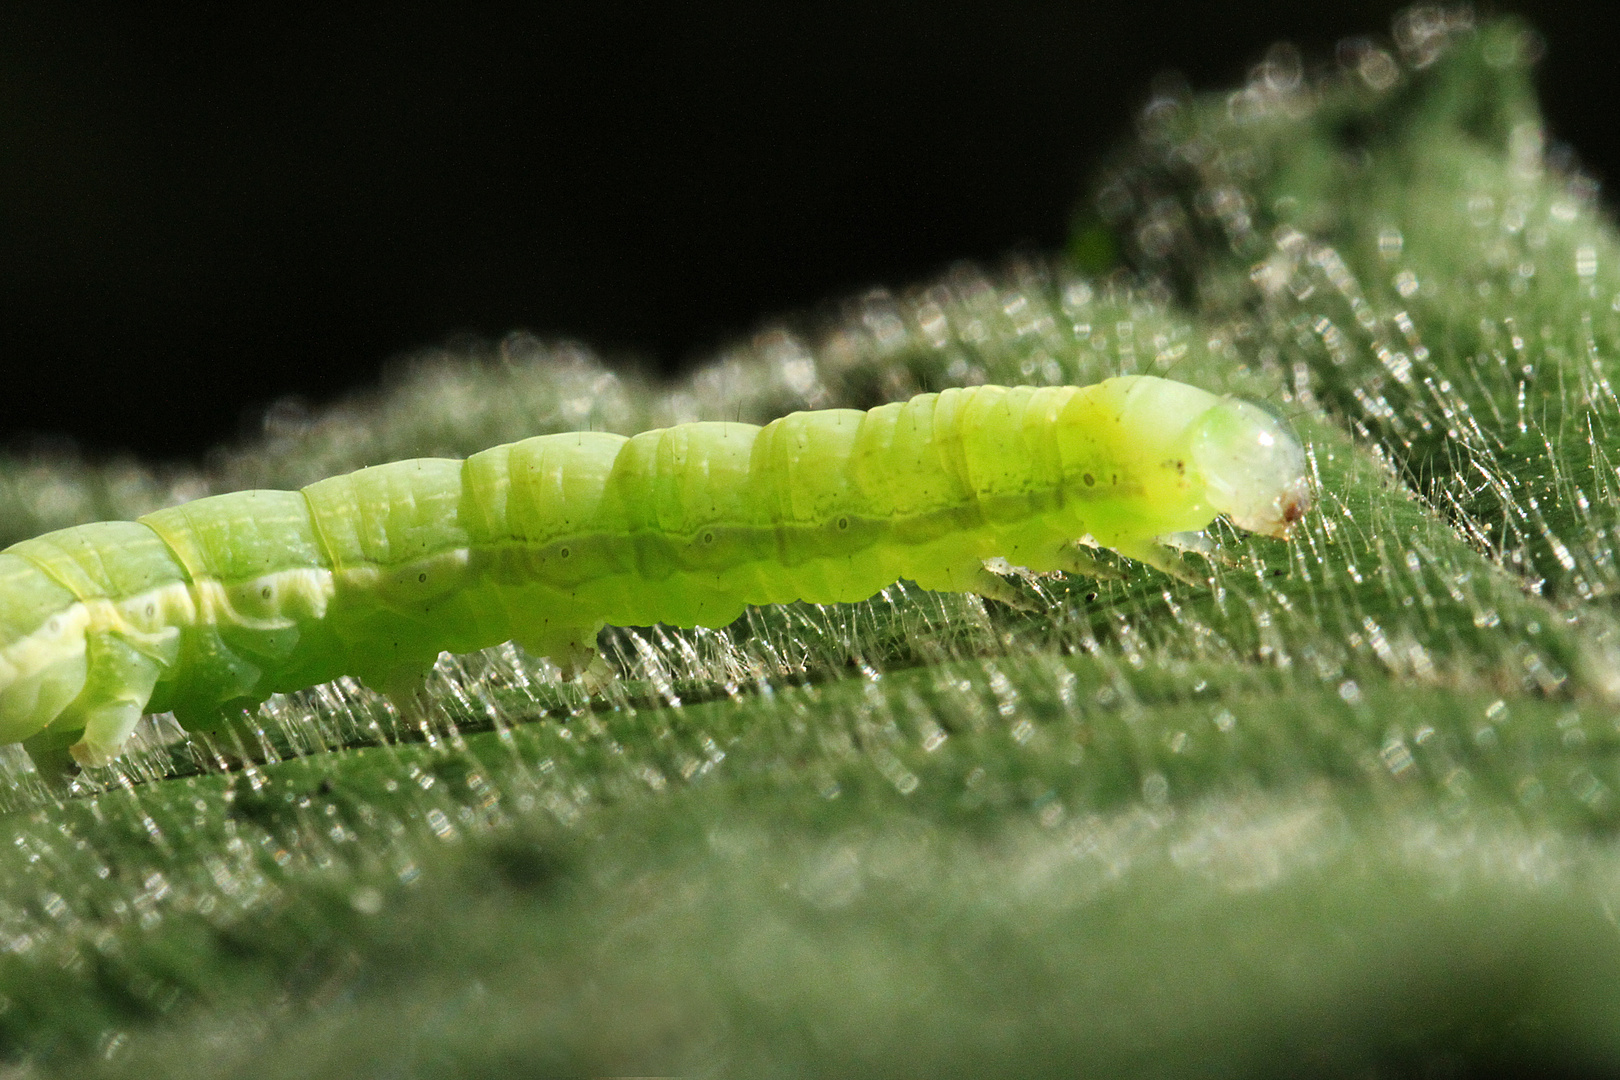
{"points": [[226, 600]]}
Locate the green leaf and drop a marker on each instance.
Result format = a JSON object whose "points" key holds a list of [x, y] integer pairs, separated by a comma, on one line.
{"points": [[1350, 809]]}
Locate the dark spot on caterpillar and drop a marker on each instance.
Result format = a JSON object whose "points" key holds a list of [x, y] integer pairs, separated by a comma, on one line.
{"points": [[1181, 468], [843, 523], [421, 579], [708, 538], [563, 553], [1089, 479], [264, 593], [1114, 479]]}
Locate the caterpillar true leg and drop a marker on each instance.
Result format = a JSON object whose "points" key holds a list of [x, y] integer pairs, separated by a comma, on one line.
{"points": [[1163, 558], [1199, 544], [992, 586], [1076, 558]]}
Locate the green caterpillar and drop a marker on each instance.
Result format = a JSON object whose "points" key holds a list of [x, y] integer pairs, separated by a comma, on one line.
{"points": [[226, 600]]}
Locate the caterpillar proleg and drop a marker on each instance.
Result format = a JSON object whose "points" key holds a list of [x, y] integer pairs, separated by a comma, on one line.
{"points": [[225, 600]]}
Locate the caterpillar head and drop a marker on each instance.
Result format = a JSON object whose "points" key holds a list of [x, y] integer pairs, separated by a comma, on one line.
{"points": [[1253, 469]]}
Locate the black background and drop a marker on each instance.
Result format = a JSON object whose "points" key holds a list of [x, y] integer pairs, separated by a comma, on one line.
{"points": [[204, 210]]}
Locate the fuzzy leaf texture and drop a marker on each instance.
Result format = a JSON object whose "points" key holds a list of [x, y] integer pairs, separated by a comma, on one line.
{"points": [[1351, 811]]}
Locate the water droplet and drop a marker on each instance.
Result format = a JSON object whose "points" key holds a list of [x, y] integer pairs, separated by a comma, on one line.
{"points": [[1586, 262], [366, 901]]}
